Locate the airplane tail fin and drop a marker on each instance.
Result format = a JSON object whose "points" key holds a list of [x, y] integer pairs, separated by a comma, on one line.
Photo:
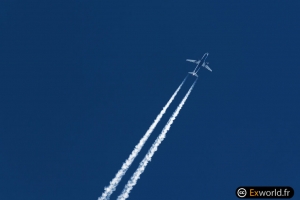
{"points": [[194, 74]]}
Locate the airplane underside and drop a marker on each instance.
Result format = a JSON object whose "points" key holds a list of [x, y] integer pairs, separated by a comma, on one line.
{"points": [[200, 63]]}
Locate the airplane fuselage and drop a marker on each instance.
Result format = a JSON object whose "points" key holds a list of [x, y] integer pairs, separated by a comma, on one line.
{"points": [[201, 63]]}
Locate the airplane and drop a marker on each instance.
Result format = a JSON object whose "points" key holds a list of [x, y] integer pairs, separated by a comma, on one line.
{"points": [[203, 64]]}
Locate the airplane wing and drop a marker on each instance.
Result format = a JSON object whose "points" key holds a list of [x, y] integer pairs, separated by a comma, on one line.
{"points": [[193, 61], [207, 67]]}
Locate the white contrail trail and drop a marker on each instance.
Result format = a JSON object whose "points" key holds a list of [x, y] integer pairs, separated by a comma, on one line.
{"points": [[132, 182], [115, 181]]}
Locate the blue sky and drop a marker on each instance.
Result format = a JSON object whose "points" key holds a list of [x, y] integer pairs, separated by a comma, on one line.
{"points": [[81, 82]]}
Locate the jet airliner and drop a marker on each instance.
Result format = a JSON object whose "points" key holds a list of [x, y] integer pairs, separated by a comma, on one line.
{"points": [[198, 62]]}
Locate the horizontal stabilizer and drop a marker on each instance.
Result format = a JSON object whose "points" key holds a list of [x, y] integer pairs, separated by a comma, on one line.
{"points": [[193, 73]]}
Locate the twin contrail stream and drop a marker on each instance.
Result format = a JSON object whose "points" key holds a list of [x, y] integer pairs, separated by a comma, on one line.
{"points": [[115, 181], [132, 182]]}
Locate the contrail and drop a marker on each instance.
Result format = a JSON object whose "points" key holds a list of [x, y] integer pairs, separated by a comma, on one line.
{"points": [[115, 181], [132, 182]]}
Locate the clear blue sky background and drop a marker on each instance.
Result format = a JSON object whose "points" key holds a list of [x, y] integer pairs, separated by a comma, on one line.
{"points": [[81, 82]]}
